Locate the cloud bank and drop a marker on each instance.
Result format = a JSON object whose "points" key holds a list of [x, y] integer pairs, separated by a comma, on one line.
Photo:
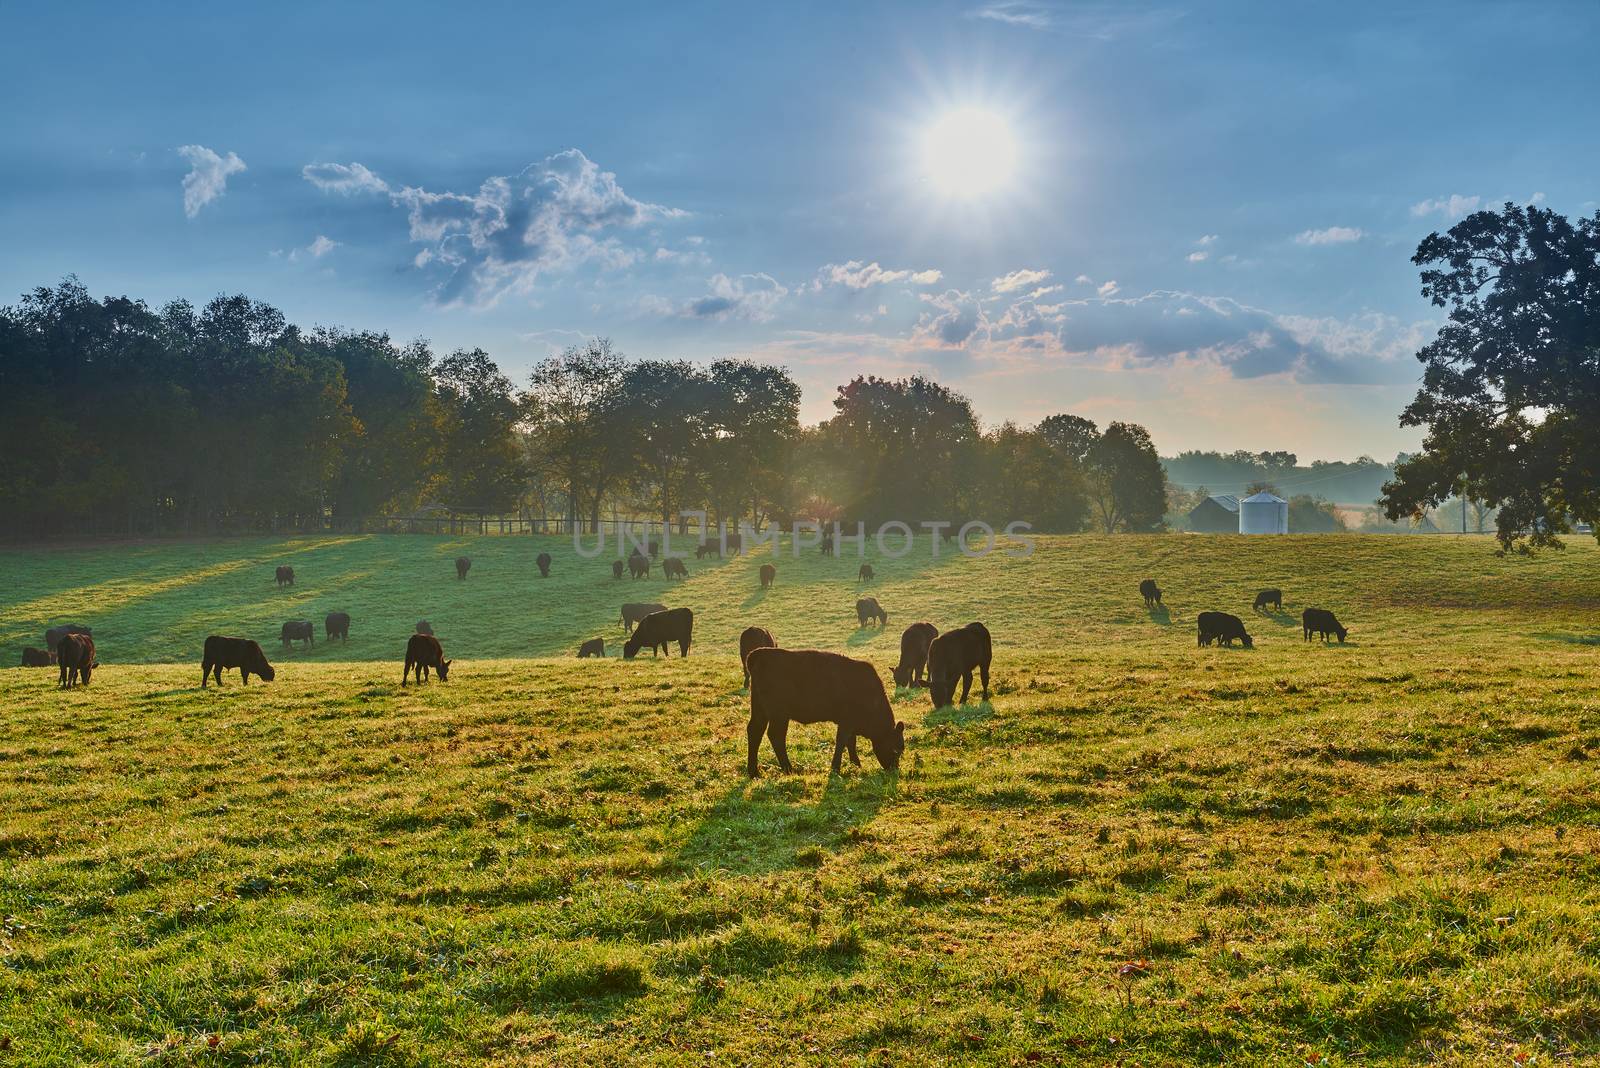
{"points": [[207, 178]]}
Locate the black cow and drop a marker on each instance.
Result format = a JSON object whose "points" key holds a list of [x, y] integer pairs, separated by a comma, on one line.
{"points": [[869, 608], [463, 564], [914, 642], [826, 548], [337, 625], [866, 573], [53, 636], [592, 647], [634, 613], [241, 653], [735, 542], [769, 575], [672, 567], [1150, 592], [954, 654], [639, 565], [423, 651], [659, 630], [424, 627], [298, 630], [32, 657], [1321, 621], [1269, 597], [753, 638], [285, 576], [1222, 628], [706, 548], [616, 569], [812, 686], [75, 658], [543, 563]]}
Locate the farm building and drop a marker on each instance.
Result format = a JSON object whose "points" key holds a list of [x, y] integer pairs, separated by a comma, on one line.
{"points": [[1264, 513], [1217, 514]]}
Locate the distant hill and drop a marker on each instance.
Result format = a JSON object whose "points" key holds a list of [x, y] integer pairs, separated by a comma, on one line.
{"points": [[1356, 482]]}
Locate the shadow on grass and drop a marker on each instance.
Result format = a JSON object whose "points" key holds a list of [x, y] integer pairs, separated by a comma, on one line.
{"points": [[1282, 619], [862, 635], [1569, 639], [768, 825], [1159, 614], [960, 715], [755, 598]]}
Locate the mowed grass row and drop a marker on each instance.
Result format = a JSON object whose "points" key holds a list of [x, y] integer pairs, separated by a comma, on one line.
{"points": [[1137, 852], [156, 603]]}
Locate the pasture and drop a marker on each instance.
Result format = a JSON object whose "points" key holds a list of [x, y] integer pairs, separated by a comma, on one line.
{"points": [[1137, 852]]}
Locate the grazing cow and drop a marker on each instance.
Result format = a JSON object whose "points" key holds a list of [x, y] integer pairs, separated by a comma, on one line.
{"points": [[914, 642], [1272, 597], [707, 547], [826, 548], [337, 625], [1321, 621], [285, 576], [659, 630], [75, 658], [812, 686], [754, 638], [298, 630], [592, 647], [639, 565], [672, 567], [633, 614], [866, 573], [53, 636], [735, 542], [423, 651], [953, 655], [32, 657], [1150, 592], [543, 563], [241, 653], [424, 627], [462, 565], [616, 569], [1222, 628], [869, 608], [769, 575]]}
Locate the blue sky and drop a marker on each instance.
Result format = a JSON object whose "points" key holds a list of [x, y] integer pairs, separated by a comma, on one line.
{"points": [[1207, 231]]}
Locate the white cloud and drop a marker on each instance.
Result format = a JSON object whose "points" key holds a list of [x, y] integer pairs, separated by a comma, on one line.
{"points": [[1333, 235], [1537, 198], [1084, 280], [1208, 239], [555, 214], [749, 297], [1108, 289], [346, 178], [207, 177], [858, 275], [1452, 207], [1019, 280], [316, 250], [1199, 257], [955, 318]]}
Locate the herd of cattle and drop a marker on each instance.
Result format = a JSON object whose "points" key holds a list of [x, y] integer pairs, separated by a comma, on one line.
{"points": [[785, 685]]}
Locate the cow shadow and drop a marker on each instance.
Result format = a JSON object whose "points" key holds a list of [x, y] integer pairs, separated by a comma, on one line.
{"points": [[863, 635], [1160, 614], [1280, 617], [1569, 639], [756, 597], [960, 715], [778, 822]]}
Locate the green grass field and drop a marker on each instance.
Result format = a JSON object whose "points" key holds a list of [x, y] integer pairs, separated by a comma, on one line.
{"points": [[1139, 852]]}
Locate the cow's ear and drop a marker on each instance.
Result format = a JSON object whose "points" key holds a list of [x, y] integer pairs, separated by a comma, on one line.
{"points": [[900, 725], [447, 663]]}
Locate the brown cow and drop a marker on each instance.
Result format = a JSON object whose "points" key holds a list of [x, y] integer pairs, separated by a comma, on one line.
{"points": [[592, 647], [914, 642], [285, 576], [616, 569], [866, 574], [542, 561], [75, 658], [659, 630], [672, 567], [337, 625], [753, 638], [53, 636], [869, 608], [634, 612], [953, 655], [639, 565], [769, 575], [462, 564], [424, 627], [32, 657], [298, 630], [241, 653], [812, 686], [423, 651]]}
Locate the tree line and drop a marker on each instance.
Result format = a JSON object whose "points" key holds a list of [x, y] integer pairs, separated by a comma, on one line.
{"points": [[116, 418]]}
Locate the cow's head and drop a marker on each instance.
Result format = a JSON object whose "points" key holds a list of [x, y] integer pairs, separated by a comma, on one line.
{"points": [[889, 747], [941, 688], [1340, 631], [444, 670], [1248, 643], [266, 671], [902, 676]]}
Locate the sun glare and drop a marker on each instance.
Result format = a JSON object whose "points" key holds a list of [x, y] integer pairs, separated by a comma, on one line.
{"points": [[969, 152]]}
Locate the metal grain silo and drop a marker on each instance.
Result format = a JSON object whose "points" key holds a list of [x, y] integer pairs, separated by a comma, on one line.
{"points": [[1264, 514]]}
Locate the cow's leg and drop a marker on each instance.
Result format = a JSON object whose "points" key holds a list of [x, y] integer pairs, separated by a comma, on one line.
{"points": [[405, 673], [683, 647], [778, 735], [841, 739], [753, 731], [851, 745], [205, 673], [983, 671], [966, 684]]}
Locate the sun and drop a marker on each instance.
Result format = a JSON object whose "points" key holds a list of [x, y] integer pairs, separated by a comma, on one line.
{"points": [[969, 152]]}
